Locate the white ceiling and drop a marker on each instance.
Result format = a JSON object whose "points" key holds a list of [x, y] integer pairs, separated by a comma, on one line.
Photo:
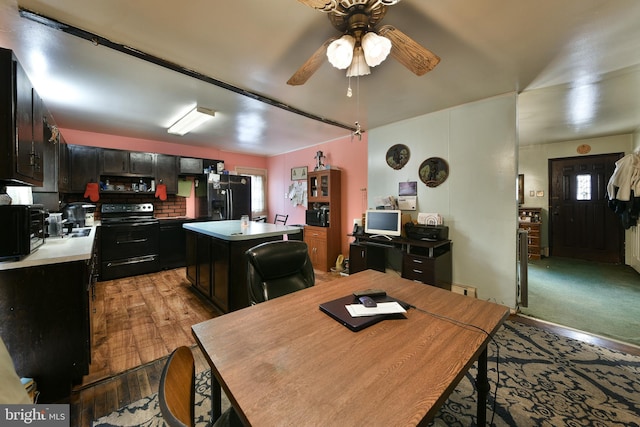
{"points": [[575, 62]]}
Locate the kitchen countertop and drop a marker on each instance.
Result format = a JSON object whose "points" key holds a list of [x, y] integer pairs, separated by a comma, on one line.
{"points": [[57, 250], [233, 231]]}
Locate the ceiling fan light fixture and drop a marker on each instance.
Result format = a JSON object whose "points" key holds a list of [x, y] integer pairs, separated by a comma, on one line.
{"points": [[359, 65], [194, 118], [340, 51], [376, 48]]}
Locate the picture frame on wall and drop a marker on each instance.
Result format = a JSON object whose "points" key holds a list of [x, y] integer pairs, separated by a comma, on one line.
{"points": [[299, 173]]}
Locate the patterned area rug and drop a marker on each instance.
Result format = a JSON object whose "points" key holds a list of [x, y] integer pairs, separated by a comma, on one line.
{"points": [[545, 380]]}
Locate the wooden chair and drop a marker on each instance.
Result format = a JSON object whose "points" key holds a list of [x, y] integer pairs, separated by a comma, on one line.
{"points": [[177, 393], [281, 219], [177, 389]]}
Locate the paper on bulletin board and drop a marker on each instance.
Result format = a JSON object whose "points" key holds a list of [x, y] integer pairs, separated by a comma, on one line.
{"points": [[298, 193]]}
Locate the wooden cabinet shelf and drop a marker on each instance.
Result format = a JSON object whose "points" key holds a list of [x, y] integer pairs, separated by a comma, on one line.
{"points": [[530, 220]]}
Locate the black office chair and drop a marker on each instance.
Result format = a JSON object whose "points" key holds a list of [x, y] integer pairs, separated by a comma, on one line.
{"points": [[278, 268], [281, 219]]}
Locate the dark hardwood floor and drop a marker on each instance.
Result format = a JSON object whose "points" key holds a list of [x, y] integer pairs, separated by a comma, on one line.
{"points": [[140, 320]]}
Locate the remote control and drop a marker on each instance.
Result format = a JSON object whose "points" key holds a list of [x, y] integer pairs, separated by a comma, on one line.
{"points": [[367, 301]]}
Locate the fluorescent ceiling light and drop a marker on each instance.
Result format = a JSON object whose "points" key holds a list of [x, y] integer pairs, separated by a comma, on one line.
{"points": [[191, 120]]}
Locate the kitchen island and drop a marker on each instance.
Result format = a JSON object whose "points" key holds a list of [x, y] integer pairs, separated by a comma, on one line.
{"points": [[216, 262], [45, 312]]}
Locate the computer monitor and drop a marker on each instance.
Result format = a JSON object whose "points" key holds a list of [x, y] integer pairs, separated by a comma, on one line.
{"points": [[385, 223]]}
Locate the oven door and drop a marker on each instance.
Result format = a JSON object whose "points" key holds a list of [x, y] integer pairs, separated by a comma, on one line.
{"points": [[128, 249]]}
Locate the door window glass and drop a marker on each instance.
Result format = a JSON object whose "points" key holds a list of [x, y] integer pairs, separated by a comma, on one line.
{"points": [[583, 187]]}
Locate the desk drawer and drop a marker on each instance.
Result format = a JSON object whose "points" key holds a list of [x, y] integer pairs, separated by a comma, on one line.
{"points": [[417, 268]]}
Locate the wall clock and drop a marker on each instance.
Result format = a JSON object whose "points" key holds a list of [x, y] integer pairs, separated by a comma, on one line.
{"points": [[398, 156], [434, 171]]}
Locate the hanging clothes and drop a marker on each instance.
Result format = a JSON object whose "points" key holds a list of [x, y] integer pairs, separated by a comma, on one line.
{"points": [[623, 187]]}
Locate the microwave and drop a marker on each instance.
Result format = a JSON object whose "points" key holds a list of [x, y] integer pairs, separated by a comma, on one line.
{"points": [[318, 217], [25, 229]]}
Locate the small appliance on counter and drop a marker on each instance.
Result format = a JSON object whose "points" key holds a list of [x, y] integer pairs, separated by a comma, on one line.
{"points": [[24, 232], [318, 216], [76, 214], [55, 224]]}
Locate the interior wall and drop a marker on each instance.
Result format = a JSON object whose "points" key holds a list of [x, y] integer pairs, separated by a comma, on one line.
{"points": [[477, 201], [533, 162], [347, 154]]}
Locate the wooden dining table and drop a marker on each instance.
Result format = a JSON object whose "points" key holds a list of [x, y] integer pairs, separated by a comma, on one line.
{"points": [[285, 362]]}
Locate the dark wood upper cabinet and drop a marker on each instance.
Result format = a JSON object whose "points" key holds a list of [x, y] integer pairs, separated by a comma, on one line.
{"points": [[83, 167], [125, 163], [21, 125], [141, 164], [190, 166], [167, 172]]}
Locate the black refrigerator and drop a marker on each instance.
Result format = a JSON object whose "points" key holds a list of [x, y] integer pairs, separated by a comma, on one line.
{"points": [[228, 196]]}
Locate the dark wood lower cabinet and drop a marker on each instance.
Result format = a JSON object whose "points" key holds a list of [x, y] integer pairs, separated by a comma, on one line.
{"points": [[45, 324], [218, 269]]}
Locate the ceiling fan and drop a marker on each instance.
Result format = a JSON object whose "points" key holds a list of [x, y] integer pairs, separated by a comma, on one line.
{"points": [[362, 45]]}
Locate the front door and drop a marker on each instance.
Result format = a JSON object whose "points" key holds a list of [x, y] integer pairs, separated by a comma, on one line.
{"points": [[581, 223]]}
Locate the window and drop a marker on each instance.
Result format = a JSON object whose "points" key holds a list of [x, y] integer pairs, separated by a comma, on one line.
{"points": [[258, 189], [583, 187]]}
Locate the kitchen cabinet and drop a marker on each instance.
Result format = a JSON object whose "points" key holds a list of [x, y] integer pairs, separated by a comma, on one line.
{"points": [[127, 163], [316, 240], [217, 267], [50, 158], [166, 172], [190, 166], [172, 243], [198, 252], [83, 167], [324, 190], [220, 279], [63, 178], [21, 125], [45, 323]]}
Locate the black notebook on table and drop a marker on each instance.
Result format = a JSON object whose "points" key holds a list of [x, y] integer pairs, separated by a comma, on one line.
{"points": [[336, 309]]}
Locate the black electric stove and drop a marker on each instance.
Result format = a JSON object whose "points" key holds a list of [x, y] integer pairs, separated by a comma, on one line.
{"points": [[129, 240]]}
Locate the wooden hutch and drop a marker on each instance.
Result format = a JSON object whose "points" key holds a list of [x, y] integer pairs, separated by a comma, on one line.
{"points": [[323, 189], [530, 219]]}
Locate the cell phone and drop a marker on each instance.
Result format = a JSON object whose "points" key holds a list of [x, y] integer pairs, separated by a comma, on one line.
{"points": [[370, 293]]}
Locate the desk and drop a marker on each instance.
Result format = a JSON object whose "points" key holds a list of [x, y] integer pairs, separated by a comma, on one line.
{"points": [[284, 362], [423, 261]]}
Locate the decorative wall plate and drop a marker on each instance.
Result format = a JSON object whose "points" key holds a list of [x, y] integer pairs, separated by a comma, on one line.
{"points": [[434, 171], [583, 148], [398, 156]]}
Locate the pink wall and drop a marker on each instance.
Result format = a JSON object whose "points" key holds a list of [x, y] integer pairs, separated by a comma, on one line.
{"points": [[350, 156]]}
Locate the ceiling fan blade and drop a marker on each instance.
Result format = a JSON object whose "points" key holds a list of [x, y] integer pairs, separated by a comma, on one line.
{"points": [[312, 64], [408, 52], [324, 5]]}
